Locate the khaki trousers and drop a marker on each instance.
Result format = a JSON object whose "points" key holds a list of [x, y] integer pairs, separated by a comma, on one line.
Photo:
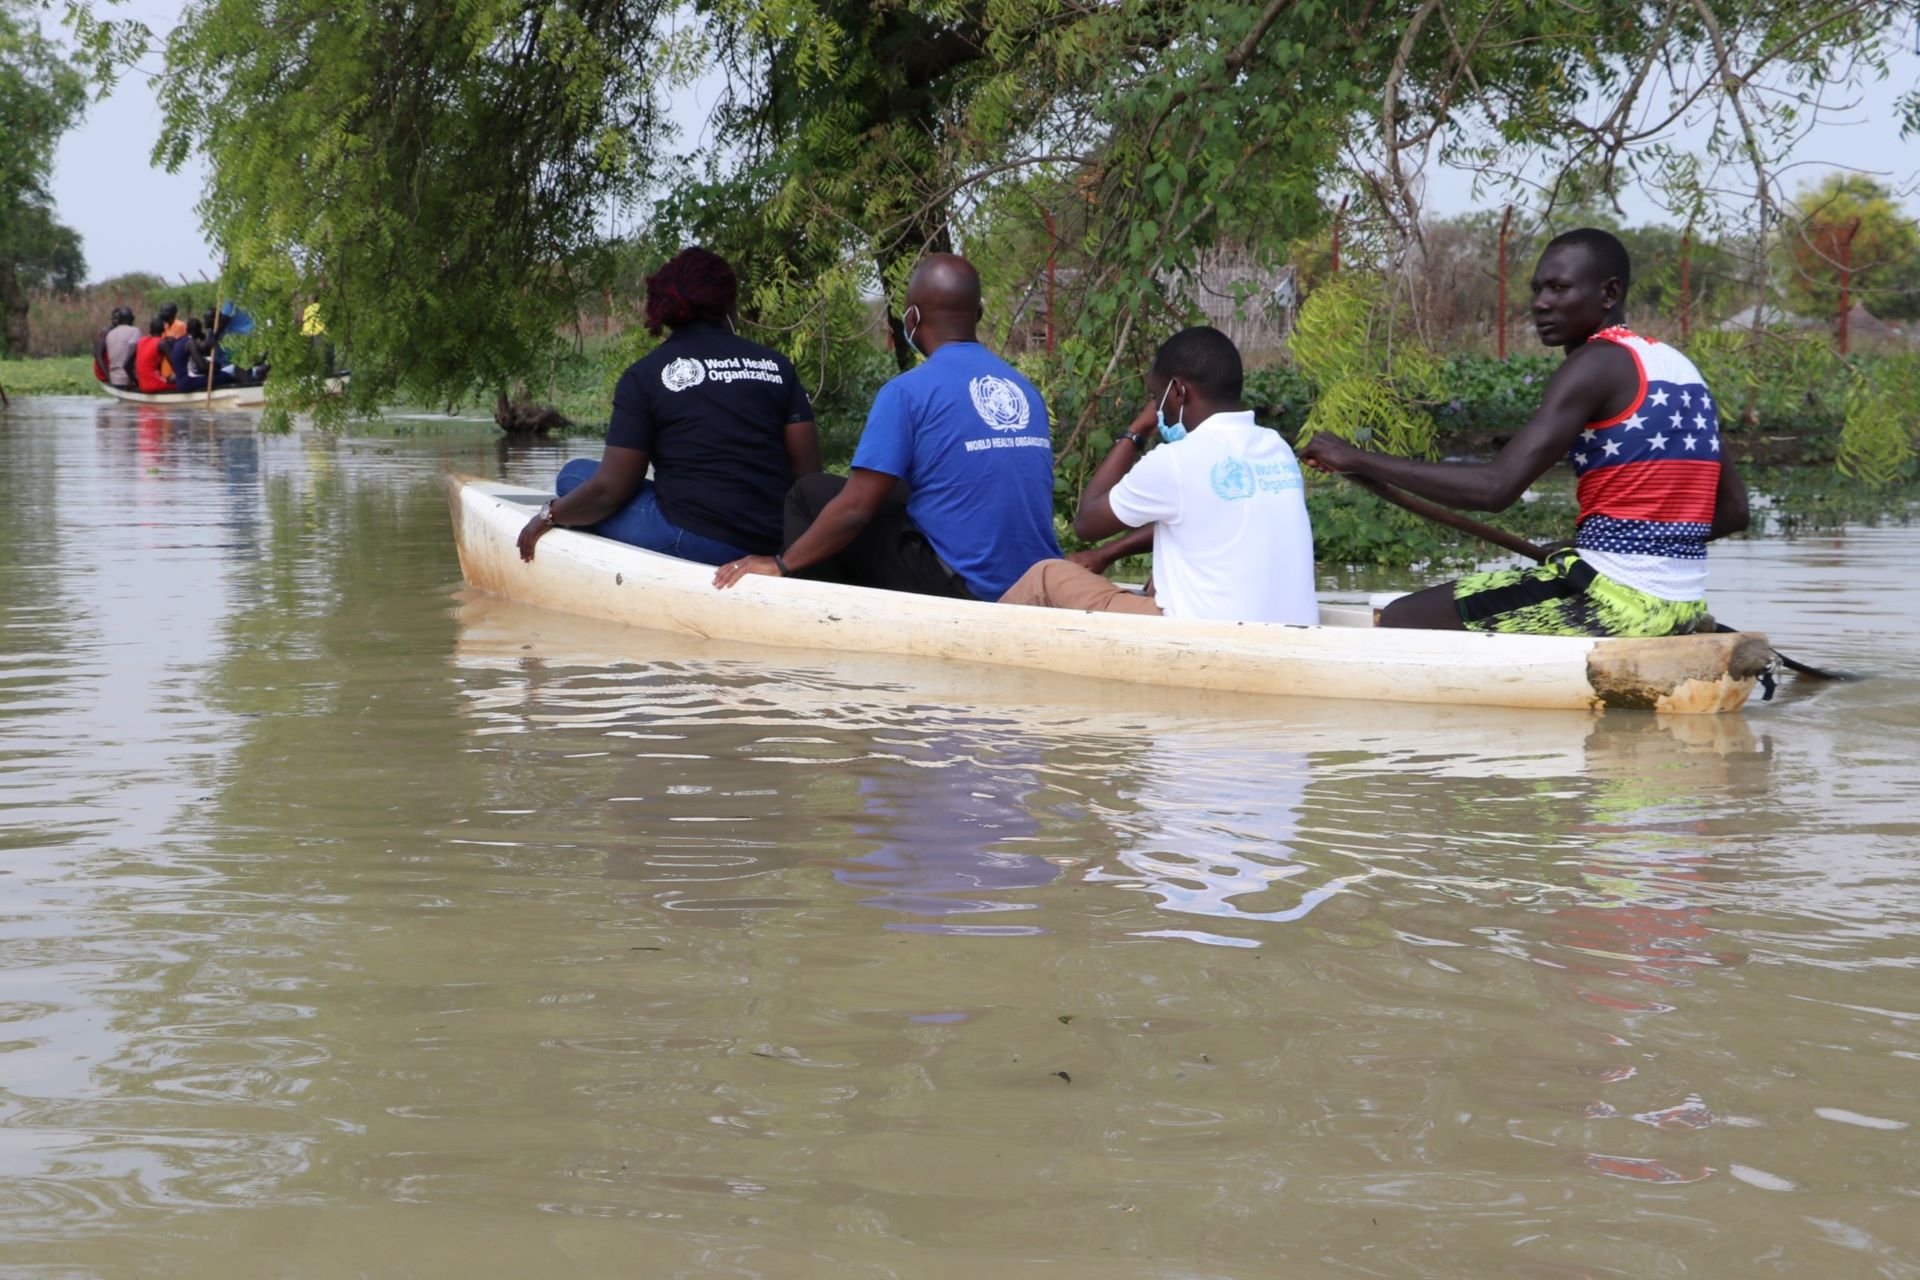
{"points": [[1062, 584]]}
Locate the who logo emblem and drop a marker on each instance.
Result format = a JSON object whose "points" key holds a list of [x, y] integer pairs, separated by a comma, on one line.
{"points": [[1000, 403], [1233, 480], [683, 373]]}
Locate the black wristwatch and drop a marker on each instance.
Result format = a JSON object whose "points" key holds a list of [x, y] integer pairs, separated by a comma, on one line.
{"points": [[780, 563], [1139, 439]]}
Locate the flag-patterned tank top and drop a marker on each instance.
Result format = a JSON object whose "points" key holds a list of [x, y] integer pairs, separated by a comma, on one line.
{"points": [[1648, 476]]}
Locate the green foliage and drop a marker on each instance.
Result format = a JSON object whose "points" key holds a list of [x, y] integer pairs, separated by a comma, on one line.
{"points": [[435, 177], [1280, 397], [1372, 376], [440, 177], [366, 150], [61, 376], [1352, 527], [1803, 500], [41, 96], [1849, 216], [43, 252], [1484, 394], [1877, 441], [1766, 377]]}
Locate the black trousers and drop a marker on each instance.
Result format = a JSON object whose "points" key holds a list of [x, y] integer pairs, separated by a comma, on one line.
{"points": [[890, 553]]}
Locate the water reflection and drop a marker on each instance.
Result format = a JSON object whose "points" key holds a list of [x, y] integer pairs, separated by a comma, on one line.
{"points": [[1643, 923], [1212, 833], [947, 817]]}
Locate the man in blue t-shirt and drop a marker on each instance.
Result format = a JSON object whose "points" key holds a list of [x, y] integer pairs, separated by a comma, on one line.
{"points": [[966, 437]]}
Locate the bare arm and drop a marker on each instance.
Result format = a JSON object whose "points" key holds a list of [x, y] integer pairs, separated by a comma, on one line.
{"points": [[1594, 382], [610, 487], [803, 448], [1095, 518], [838, 524], [1730, 514], [1101, 558]]}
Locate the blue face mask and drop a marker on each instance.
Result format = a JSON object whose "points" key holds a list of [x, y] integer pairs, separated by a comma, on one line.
{"points": [[1170, 431], [908, 333]]}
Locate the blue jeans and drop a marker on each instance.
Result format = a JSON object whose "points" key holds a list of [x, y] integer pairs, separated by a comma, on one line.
{"points": [[641, 524], [198, 381]]}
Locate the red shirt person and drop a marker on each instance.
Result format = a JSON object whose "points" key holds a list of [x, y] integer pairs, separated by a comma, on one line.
{"points": [[147, 357]]}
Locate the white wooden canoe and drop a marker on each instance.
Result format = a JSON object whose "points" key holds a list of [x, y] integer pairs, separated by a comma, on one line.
{"points": [[1344, 657], [223, 397]]}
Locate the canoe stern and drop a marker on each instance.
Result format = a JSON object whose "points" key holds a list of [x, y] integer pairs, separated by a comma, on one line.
{"points": [[1694, 675]]}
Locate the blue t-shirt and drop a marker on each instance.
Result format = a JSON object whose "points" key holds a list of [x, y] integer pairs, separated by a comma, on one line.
{"points": [[969, 437]]}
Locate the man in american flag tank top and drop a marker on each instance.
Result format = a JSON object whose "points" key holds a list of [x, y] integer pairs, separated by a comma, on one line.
{"points": [[1642, 432]]}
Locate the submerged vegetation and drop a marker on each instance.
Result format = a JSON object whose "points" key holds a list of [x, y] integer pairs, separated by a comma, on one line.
{"points": [[56, 376]]}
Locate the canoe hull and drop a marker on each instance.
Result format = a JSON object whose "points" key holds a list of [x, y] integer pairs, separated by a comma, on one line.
{"points": [[1345, 657], [223, 397]]}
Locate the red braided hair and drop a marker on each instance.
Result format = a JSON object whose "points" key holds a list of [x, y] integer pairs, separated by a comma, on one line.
{"points": [[697, 284]]}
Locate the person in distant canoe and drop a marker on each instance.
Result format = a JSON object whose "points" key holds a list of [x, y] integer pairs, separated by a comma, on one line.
{"points": [[1223, 494], [197, 357], [118, 344], [966, 437], [1635, 418], [148, 358], [102, 367], [172, 329], [723, 421]]}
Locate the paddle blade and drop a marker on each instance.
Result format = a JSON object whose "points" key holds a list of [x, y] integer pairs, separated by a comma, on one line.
{"points": [[1803, 669], [1819, 673]]}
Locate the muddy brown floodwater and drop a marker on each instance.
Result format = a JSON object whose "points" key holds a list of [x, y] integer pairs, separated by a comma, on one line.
{"points": [[350, 926]]}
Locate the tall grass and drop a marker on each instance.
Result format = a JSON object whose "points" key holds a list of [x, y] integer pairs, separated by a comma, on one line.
{"points": [[65, 324]]}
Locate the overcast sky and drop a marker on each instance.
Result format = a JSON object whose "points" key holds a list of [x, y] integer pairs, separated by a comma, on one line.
{"points": [[134, 217]]}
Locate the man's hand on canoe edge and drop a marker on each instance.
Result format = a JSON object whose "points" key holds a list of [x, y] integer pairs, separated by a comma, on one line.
{"points": [[1328, 452], [728, 574], [531, 534]]}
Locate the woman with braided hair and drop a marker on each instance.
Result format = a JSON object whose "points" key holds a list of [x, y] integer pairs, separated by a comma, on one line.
{"points": [[723, 423]]}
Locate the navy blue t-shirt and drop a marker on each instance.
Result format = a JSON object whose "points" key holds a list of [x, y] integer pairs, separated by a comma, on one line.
{"points": [[970, 437], [711, 410]]}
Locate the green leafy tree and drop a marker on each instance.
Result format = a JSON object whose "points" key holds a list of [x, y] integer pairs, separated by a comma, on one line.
{"points": [[434, 177], [41, 96], [1850, 214], [438, 175], [1878, 437], [1372, 375], [44, 253]]}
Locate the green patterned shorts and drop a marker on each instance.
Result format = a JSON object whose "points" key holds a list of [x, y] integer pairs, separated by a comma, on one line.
{"points": [[1566, 596]]}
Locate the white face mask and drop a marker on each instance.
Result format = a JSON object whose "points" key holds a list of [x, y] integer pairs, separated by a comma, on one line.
{"points": [[908, 333]]}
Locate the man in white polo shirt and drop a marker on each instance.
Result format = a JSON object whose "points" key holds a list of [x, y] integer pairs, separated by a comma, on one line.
{"points": [[1231, 539]]}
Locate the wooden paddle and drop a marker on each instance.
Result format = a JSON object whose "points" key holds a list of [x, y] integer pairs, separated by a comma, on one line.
{"points": [[1533, 551]]}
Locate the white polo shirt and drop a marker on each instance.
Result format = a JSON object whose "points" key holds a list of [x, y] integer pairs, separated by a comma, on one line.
{"points": [[1231, 539]]}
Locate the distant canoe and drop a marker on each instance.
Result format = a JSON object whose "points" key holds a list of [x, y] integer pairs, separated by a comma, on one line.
{"points": [[223, 397], [1344, 657]]}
